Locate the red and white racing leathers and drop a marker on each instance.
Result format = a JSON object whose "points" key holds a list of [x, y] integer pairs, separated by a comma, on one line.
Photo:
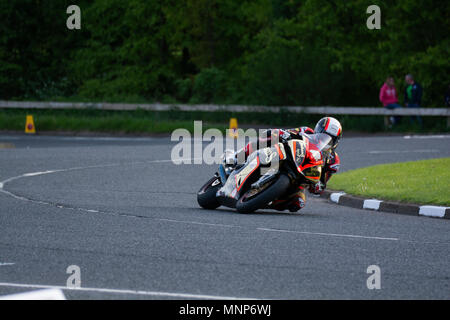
{"points": [[297, 199]]}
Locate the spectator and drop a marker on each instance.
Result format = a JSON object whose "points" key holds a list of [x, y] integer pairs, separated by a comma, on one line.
{"points": [[447, 97], [389, 99], [413, 96]]}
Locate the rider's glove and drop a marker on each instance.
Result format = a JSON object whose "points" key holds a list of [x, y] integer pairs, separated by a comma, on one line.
{"points": [[229, 158], [284, 135]]}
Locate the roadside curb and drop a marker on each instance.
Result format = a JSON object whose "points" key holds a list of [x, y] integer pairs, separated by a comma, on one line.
{"points": [[348, 200]]}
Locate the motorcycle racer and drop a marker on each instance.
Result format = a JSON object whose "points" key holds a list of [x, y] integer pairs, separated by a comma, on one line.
{"points": [[296, 200]]}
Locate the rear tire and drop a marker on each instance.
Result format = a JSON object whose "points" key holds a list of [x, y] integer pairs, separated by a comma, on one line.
{"points": [[274, 191], [206, 196]]}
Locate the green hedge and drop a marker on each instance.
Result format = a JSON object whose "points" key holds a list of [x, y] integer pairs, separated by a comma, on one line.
{"points": [[269, 52]]}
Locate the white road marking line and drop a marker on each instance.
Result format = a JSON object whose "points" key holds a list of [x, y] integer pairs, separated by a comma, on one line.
{"points": [[432, 211], [372, 204], [39, 173], [102, 139], [403, 151], [427, 137], [328, 234], [6, 264], [61, 138], [335, 196], [33, 174], [122, 291], [199, 223]]}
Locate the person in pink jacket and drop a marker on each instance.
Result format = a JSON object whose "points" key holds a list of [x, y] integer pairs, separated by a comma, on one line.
{"points": [[389, 98]]}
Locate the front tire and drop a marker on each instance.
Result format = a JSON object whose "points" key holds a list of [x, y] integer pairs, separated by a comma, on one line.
{"points": [[206, 196], [278, 188]]}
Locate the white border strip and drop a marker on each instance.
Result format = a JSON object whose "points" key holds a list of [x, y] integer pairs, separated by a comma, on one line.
{"points": [[432, 211], [372, 204], [44, 294], [335, 196], [121, 291]]}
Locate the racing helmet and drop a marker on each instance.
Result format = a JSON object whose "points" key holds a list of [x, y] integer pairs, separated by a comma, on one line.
{"points": [[330, 126]]}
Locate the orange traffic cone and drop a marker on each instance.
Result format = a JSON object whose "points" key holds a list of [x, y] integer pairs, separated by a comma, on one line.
{"points": [[233, 128], [29, 125]]}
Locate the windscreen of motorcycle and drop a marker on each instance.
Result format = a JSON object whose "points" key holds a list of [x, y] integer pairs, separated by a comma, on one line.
{"points": [[322, 141]]}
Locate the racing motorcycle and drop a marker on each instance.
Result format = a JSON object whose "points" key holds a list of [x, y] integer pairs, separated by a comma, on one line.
{"points": [[268, 176]]}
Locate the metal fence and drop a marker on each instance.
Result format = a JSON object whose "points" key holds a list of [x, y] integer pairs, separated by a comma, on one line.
{"points": [[325, 110]]}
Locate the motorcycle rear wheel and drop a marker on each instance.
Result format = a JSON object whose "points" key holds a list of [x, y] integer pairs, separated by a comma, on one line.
{"points": [[206, 196]]}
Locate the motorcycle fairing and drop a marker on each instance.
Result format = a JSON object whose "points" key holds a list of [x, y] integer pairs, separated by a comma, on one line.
{"points": [[229, 193], [261, 158], [246, 171], [308, 158], [298, 150]]}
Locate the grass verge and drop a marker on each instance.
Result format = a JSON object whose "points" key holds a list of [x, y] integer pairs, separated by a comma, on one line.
{"points": [[421, 182], [141, 121], [128, 122]]}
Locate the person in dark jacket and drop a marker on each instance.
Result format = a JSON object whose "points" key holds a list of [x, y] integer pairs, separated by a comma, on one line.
{"points": [[447, 97], [413, 96]]}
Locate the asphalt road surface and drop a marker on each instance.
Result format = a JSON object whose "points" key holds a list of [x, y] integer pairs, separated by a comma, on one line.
{"points": [[121, 211]]}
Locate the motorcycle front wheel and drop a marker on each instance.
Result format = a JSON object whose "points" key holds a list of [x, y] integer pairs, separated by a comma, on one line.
{"points": [[250, 202]]}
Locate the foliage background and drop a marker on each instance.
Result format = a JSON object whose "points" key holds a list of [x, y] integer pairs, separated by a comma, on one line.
{"points": [[268, 52]]}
